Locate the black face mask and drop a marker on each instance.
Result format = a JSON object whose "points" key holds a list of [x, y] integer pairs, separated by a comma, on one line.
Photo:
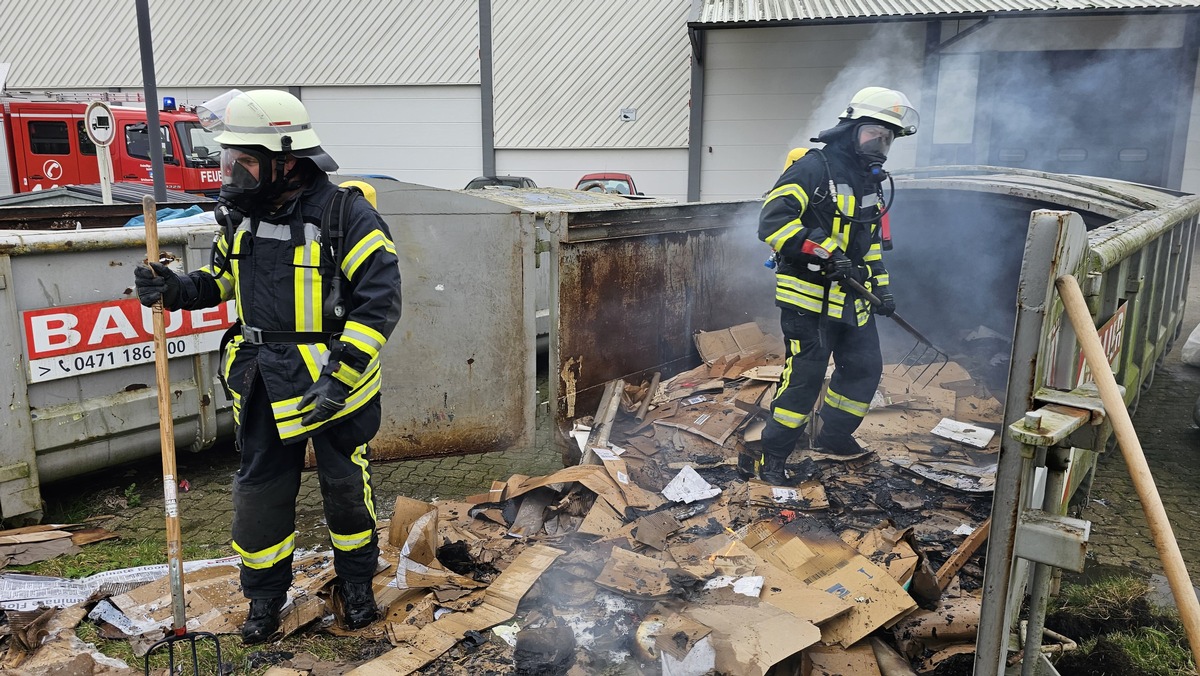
{"points": [[871, 145], [244, 194]]}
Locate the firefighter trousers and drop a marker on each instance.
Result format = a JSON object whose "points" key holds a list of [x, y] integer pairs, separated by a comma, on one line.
{"points": [[858, 364], [268, 481]]}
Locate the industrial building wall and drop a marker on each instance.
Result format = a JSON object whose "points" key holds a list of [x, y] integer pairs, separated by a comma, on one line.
{"points": [[262, 44], [426, 135], [767, 90], [587, 87], [661, 172], [770, 89]]}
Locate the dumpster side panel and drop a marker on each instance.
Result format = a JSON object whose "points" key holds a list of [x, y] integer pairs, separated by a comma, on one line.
{"points": [[459, 370], [631, 288], [19, 481], [86, 411]]}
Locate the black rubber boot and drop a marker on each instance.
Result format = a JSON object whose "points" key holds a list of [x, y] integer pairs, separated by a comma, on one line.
{"points": [[839, 445], [262, 620], [772, 470], [747, 464], [358, 604]]}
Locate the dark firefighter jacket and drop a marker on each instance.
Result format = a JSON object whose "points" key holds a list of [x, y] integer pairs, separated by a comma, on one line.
{"points": [[274, 273], [801, 207]]}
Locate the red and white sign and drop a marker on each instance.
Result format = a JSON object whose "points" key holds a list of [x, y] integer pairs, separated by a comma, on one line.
{"points": [[63, 342], [1112, 337]]}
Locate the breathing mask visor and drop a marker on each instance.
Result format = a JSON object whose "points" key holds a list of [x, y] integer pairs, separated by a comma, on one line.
{"points": [[253, 179]]}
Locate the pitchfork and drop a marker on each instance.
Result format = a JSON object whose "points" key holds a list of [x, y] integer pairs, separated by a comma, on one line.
{"points": [[166, 431], [913, 359]]}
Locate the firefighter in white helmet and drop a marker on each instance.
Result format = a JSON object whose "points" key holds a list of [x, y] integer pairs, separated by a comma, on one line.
{"points": [[315, 277], [822, 220]]}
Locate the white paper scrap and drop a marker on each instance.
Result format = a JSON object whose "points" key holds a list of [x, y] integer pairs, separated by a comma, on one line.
{"points": [[785, 494], [507, 633], [750, 585], [688, 487], [581, 433], [604, 453], [964, 529], [965, 433], [700, 660]]}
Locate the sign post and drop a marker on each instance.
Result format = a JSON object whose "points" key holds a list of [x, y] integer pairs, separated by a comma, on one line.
{"points": [[98, 122]]}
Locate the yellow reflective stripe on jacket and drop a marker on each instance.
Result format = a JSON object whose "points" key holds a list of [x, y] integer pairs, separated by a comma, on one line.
{"points": [[307, 259], [843, 403], [235, 267], [780, 237], [287, 416], [841, 228], [265, 558], [882, 280], [346, 374], [875, 253], [311, 354], [365, 247], [364, 338]]}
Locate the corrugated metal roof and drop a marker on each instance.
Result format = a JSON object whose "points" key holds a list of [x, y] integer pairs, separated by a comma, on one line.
{"points": [[799, 11], [564, 71], [59, 44]]}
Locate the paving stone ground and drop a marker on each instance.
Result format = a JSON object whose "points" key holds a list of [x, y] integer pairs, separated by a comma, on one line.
{"points": [[1171, 442], [1120, 538]]}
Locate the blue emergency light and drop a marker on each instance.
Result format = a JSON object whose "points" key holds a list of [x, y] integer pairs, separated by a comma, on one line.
{"points": [[168, 103]]}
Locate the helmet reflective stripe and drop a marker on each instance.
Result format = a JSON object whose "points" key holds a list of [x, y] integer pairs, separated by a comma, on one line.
{"points": [[277, 128]]}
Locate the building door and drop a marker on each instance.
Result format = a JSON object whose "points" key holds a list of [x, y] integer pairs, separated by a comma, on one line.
{"points": [[1099, 113]]}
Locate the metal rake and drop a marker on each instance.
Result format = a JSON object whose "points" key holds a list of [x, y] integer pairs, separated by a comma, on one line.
{"points": [[919, 355]]}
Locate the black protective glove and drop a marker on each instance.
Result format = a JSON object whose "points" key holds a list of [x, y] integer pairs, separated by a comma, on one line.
{"points": [[887, 304], [839, 267], [329, 395], [161, 282]]}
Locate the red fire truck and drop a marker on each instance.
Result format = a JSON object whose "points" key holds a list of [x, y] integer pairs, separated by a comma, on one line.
{"points": [[48, 147]]}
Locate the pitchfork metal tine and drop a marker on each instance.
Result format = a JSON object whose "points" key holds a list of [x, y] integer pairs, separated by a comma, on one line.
{"points": [[169, 643]]}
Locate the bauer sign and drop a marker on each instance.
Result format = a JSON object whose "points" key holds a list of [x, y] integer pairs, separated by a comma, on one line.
{"points": [[63, 342]]}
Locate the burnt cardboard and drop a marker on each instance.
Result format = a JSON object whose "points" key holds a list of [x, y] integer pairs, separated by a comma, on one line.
{"points": [[499, 604], [822, 560], [635, 575], [858, 659]]}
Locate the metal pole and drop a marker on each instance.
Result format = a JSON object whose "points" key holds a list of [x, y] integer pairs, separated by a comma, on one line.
{"points": [[487, 112], [153, 128]]}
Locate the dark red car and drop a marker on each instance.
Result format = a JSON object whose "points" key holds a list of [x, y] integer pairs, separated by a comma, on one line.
{"points": [[621, 184]]}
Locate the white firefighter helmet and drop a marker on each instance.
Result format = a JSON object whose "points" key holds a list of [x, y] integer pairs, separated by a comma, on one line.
{"points": [[265, 118], [885, 105]]}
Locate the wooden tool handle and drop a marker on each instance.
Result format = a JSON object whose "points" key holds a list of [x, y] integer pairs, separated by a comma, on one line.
{"points": [[166, 432]]}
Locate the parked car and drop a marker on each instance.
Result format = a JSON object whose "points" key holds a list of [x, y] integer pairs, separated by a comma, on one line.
{"points": [[621, 184], [509, 181]]}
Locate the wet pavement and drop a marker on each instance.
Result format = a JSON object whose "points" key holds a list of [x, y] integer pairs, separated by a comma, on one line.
{"points": [[1163, 420], [1120, 538]]}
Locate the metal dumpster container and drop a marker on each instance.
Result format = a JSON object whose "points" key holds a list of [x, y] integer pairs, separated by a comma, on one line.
{"points": [[78, 367], [974, 247]]}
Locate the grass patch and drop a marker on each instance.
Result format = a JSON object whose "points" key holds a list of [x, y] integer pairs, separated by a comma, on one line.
{"points": [[1120, 632], [240, 660], [114, 555]]}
